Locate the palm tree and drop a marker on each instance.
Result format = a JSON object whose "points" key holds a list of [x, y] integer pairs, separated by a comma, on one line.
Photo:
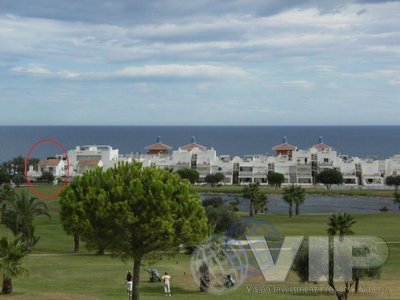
{"points": [[257, 199], [288, 199], [396, 198], [6, 193], [11, 254], [19, 213], [340, 224], [300, 197], [294, 195]]}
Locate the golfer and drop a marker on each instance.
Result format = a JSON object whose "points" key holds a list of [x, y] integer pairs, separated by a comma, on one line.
{"points": [[129, 283], [167, 287]]}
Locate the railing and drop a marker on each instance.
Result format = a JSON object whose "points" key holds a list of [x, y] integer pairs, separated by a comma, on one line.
{"points": [[245, 174], [326, 163]]}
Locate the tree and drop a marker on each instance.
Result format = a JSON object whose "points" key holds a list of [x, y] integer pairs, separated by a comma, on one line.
{"points": [[72, 212], [11, 254], [340, 224], [19, 214], [294, 195], [139, 211], [222, 218], [329, 177], [18, 179], [189, 174], [4, 177], [396, 198], [393, 181], [15, 166], [214, 178], [275, 179], [258, 200], [47, 177], [6, 193]]}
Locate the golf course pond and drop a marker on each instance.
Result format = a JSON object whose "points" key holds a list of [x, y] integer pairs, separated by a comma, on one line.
{"points": [[317, 203]]}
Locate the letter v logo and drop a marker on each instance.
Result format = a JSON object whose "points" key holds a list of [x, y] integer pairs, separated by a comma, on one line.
{"points": [[279, 270]]}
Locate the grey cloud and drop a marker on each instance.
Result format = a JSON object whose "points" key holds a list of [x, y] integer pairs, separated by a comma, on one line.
{"points": [[144, 11]]}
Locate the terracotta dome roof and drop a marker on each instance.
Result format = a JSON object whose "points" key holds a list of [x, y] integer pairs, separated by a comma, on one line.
{"points": [[158, 146], [193, 145], [321, 146], [284, 146]]}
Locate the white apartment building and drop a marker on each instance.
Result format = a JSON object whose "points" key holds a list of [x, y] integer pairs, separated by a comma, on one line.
{"points": [[84, 158], [298, 166], [54, 166]]}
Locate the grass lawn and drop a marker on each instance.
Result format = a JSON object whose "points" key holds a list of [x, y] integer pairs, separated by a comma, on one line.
{"points": [[58, 273]]}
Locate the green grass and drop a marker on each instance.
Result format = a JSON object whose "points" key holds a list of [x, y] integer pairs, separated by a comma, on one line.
{"points": [[58, 273], [236, 189]]}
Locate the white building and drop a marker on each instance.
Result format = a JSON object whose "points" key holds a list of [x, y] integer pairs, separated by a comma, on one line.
{"points": [[372, 172], [350, 169], [392, 166], [83, 158], [297, 166], [53, 166]]}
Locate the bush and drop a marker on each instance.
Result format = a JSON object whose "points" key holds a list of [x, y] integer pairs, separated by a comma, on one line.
{"points": [[393, 181], [214, 179], [329, 177], [18, 179], [189, 174], [47, 177], [275, 179]]}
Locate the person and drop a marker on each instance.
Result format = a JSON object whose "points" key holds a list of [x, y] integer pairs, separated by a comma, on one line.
{"points": [[129, 284], [167, 287]]}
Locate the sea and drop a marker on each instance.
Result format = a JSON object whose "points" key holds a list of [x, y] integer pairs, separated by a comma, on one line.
{"points": [[363, 141]]}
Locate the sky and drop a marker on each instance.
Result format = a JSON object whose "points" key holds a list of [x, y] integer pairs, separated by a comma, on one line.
{"points": [[201, 62]]}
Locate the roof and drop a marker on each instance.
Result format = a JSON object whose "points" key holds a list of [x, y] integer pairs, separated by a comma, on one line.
{"points": [[52, 162], [284, 147], [89, 162], [191, 146], [321, 147], [158, 146]]}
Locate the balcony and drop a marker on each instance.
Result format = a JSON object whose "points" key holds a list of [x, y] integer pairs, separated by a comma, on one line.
{"points": [[245, 174], [306, 174], [329, 163]]}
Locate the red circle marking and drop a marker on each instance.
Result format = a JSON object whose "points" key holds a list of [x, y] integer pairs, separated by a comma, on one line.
{"points": [[28, 181]]}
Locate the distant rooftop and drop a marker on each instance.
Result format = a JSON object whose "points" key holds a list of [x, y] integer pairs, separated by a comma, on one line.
{"points": [[192, 145], [285, 146], [158, 146], [94, 147], [321, 146]]}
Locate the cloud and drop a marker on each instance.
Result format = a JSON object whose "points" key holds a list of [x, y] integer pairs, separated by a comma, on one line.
{"points": [[33, 70], [394, 82], [142, 72], [214, 54], [373, 74], [240, 36], [297, 84]]}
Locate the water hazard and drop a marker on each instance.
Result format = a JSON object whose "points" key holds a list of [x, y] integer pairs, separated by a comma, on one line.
{"points": [[319, 204]]}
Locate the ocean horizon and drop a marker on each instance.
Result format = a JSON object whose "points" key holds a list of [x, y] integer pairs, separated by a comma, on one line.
{"points": [[378, 141]]}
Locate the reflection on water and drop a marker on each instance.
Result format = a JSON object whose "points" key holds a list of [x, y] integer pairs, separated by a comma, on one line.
{"points": [[319, 204]]}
